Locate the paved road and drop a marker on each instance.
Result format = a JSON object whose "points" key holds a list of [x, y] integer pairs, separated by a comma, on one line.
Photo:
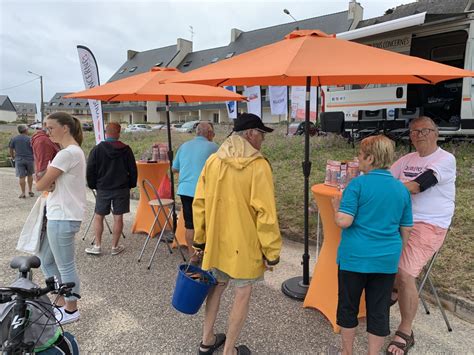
{"points": [[127, 309]]}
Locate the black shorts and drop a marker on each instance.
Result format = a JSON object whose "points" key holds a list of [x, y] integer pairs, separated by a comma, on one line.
{"points": [[187, 202], [119, 199], [378, 288]]}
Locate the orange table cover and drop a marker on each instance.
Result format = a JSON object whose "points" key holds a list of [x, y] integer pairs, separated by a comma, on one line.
{"points": [[155, 173], [323, 288]]}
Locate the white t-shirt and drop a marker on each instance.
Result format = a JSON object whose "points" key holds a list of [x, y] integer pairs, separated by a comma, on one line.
{"points": [[436, 204], [68, 200]]}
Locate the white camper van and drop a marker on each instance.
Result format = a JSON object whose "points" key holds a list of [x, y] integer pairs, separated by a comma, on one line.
{"points": [[447, 39]]}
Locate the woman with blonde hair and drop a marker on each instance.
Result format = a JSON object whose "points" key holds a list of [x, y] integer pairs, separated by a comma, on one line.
{"points": [[375, 216], [65, 178]]}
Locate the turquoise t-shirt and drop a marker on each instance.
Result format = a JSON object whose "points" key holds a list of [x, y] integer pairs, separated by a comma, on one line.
{"points": [[189, 161], [380, 205]]}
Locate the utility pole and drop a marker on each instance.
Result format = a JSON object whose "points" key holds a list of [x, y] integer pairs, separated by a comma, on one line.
{"points": [[41, 85], [191, 29]]}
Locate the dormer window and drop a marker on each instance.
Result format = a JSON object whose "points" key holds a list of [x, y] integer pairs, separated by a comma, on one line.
{"points": [[122, 70], [214, 59], [132, 69], [187, 63], [158, 64], [229, 55]]}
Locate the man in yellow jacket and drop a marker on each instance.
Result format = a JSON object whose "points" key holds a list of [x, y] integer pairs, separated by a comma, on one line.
{"points": [[236, 226]]}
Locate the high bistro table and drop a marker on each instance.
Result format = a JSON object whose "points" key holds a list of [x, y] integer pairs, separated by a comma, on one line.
{"points": [[323, 288], [144, 217]]}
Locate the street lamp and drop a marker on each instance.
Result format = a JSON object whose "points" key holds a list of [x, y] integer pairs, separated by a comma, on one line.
{"points": [[41, 84], [288, 13]]}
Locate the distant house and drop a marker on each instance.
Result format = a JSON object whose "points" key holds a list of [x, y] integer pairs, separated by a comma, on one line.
{"points": [[76, 107], [7, 109], [25, 111]]}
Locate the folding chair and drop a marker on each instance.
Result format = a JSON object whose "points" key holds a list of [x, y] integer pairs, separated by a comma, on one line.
{"points": [[158, 206], [92, 219], [426, 277]]}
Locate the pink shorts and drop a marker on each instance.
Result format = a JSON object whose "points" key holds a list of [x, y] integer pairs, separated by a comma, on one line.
{"points": [[425, 240]]}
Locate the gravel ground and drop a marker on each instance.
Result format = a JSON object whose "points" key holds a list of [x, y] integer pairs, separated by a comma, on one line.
{"points": [[126, 308]]}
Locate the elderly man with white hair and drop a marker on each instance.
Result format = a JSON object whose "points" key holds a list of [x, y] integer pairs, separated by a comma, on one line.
{"points": [[189, 161]]}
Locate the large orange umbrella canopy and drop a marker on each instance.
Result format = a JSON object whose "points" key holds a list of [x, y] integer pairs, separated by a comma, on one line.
{"points": [[324, 58], [147, 87]]}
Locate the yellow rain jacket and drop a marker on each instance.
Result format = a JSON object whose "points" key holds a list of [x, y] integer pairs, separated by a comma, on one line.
{"points": [[234, 211]]}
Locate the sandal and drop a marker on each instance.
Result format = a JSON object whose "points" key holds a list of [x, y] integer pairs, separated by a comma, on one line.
{"points": [[32, 194], [409, 342], [220, 340], [22, 196], [393, 301], [242, 350]]}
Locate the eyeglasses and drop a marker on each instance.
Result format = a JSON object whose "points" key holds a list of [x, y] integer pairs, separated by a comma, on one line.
{"points": [[421, 132]]}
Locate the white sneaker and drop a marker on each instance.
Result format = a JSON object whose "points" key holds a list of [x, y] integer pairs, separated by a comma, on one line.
{"points": [[118, 249], [64, 318], [95, 250]]}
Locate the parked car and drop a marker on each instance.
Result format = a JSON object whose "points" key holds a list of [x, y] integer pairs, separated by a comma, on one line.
{"points": [[158, 126], [36, 125], [138, 128], [297, 129], [87, 127], [188, 127], [175, 126]]}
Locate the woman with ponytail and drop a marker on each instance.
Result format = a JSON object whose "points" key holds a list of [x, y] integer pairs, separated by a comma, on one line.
{"points": [[65, 178]]}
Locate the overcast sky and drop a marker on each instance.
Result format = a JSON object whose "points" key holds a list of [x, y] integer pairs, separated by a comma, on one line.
{"points": [[41, 36]]}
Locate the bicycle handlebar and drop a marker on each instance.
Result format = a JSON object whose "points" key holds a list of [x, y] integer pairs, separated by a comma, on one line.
{"points": [[6, 293]]}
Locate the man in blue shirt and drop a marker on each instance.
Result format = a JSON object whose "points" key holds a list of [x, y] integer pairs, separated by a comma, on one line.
{"points": [[21, 151], [189, 161]]}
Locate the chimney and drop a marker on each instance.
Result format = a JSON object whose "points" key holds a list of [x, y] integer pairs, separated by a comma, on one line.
{"points": [[355, 13], [131, 53], [184, 45], [234, 34]]}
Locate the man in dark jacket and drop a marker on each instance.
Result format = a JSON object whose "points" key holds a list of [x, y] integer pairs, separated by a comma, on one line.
{"points": [[112, 171]]}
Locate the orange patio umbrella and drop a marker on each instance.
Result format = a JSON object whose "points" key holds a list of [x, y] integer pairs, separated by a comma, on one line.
{"points": [[149, 87], [313, 58]]}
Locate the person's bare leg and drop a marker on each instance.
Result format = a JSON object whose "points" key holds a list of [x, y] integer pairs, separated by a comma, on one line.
{"points": [[98, 229], [189, 235], [408, 302], [375, 344], [22, 185], [30, 183], [212, 307], [71, 306], [347, 338], [117, 229], [237, 317]]}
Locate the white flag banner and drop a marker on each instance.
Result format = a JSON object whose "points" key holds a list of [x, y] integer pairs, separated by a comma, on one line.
{"points": [[254, 103], [278, 99], [298, 103], [90, 74], [231, 105]]}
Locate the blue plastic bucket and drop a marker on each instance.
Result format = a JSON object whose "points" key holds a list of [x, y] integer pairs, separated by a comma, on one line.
{"points": [[192, 286]]}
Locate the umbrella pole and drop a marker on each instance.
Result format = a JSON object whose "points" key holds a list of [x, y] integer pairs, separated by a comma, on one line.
{"points": [[170, 158], [297, 287]]}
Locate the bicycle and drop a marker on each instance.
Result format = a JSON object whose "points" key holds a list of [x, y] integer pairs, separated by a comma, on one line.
{"points": [[28, 322]]}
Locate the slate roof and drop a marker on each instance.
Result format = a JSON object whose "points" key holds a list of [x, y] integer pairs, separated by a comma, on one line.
{"points": [[144, 61], [332, 23], [435, 9], [25, 108], [58, 100], [6, 104]]}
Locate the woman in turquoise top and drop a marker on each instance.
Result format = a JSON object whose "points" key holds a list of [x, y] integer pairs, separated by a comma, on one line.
{"points": [[375, 216]]}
